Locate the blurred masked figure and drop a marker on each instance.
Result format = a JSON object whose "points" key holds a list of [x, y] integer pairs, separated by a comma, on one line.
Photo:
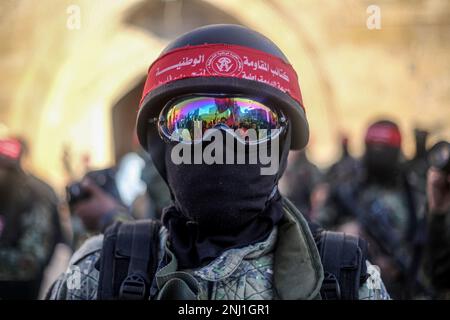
{"points": [[299, 181], [382, 205], [29, 225]]}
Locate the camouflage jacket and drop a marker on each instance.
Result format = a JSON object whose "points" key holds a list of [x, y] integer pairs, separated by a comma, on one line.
{"points": [[25, 257], [284, 266]]}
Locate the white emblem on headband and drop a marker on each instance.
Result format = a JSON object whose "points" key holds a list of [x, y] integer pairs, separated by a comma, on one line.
{"points": [[224, 63]]}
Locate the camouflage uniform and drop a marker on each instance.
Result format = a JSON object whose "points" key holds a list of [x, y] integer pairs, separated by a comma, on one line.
{"points": [[25, 260], [26, 251], [243, 273], [384, 217]]}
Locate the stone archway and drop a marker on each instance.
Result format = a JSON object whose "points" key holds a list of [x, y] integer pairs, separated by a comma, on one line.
{"points": [[123, 121], [167, 19], [154, 17]]}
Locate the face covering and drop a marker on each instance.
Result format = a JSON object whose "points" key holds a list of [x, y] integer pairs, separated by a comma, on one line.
{"points": [[382, 164], [220, 206]]}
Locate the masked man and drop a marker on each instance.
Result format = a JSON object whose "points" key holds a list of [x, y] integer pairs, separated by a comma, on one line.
{"points": [[382, 202], [216, 103]]}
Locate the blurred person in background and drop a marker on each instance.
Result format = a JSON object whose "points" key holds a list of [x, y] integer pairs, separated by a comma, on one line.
{"points": [[437, 251], [346, 168], [120, 186], [151, 194], [131, 190], [417, 167], [156, 189], [416, 171], [299, 181], [380, 204], [345, 174], [96, 199], [29, 225]]}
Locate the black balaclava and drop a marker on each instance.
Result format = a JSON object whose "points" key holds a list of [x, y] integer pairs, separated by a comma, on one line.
{"points": [[382, 164], [382, 159], [220, 206]]}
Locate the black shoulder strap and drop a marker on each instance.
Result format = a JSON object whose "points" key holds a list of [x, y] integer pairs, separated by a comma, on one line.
{"points": [[344, 262], [128, 260]]}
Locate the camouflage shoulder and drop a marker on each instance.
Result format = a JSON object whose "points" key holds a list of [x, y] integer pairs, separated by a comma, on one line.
{"points": [[80, 280], [89, 247], [373, 288]]}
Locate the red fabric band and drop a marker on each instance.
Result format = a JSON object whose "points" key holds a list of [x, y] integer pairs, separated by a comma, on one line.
{"points": [[384, 134], [223, 60], [10, 148]]}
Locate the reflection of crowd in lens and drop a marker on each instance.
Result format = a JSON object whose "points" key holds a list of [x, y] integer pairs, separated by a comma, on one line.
{"points": [[240, 121]]}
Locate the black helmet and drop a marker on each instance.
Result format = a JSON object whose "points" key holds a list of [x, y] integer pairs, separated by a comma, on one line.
{"points": [[256, 67]]}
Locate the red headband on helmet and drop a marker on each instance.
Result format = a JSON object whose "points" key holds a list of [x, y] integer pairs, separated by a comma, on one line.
{"points": [[10, 149], [384, 134], [223, 60]]}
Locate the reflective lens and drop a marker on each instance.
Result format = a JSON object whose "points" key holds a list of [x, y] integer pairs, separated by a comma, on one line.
{"points": [[188, 119]]}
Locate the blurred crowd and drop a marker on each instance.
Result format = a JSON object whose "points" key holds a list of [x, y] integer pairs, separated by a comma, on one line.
{"points": [[400, 206]]}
